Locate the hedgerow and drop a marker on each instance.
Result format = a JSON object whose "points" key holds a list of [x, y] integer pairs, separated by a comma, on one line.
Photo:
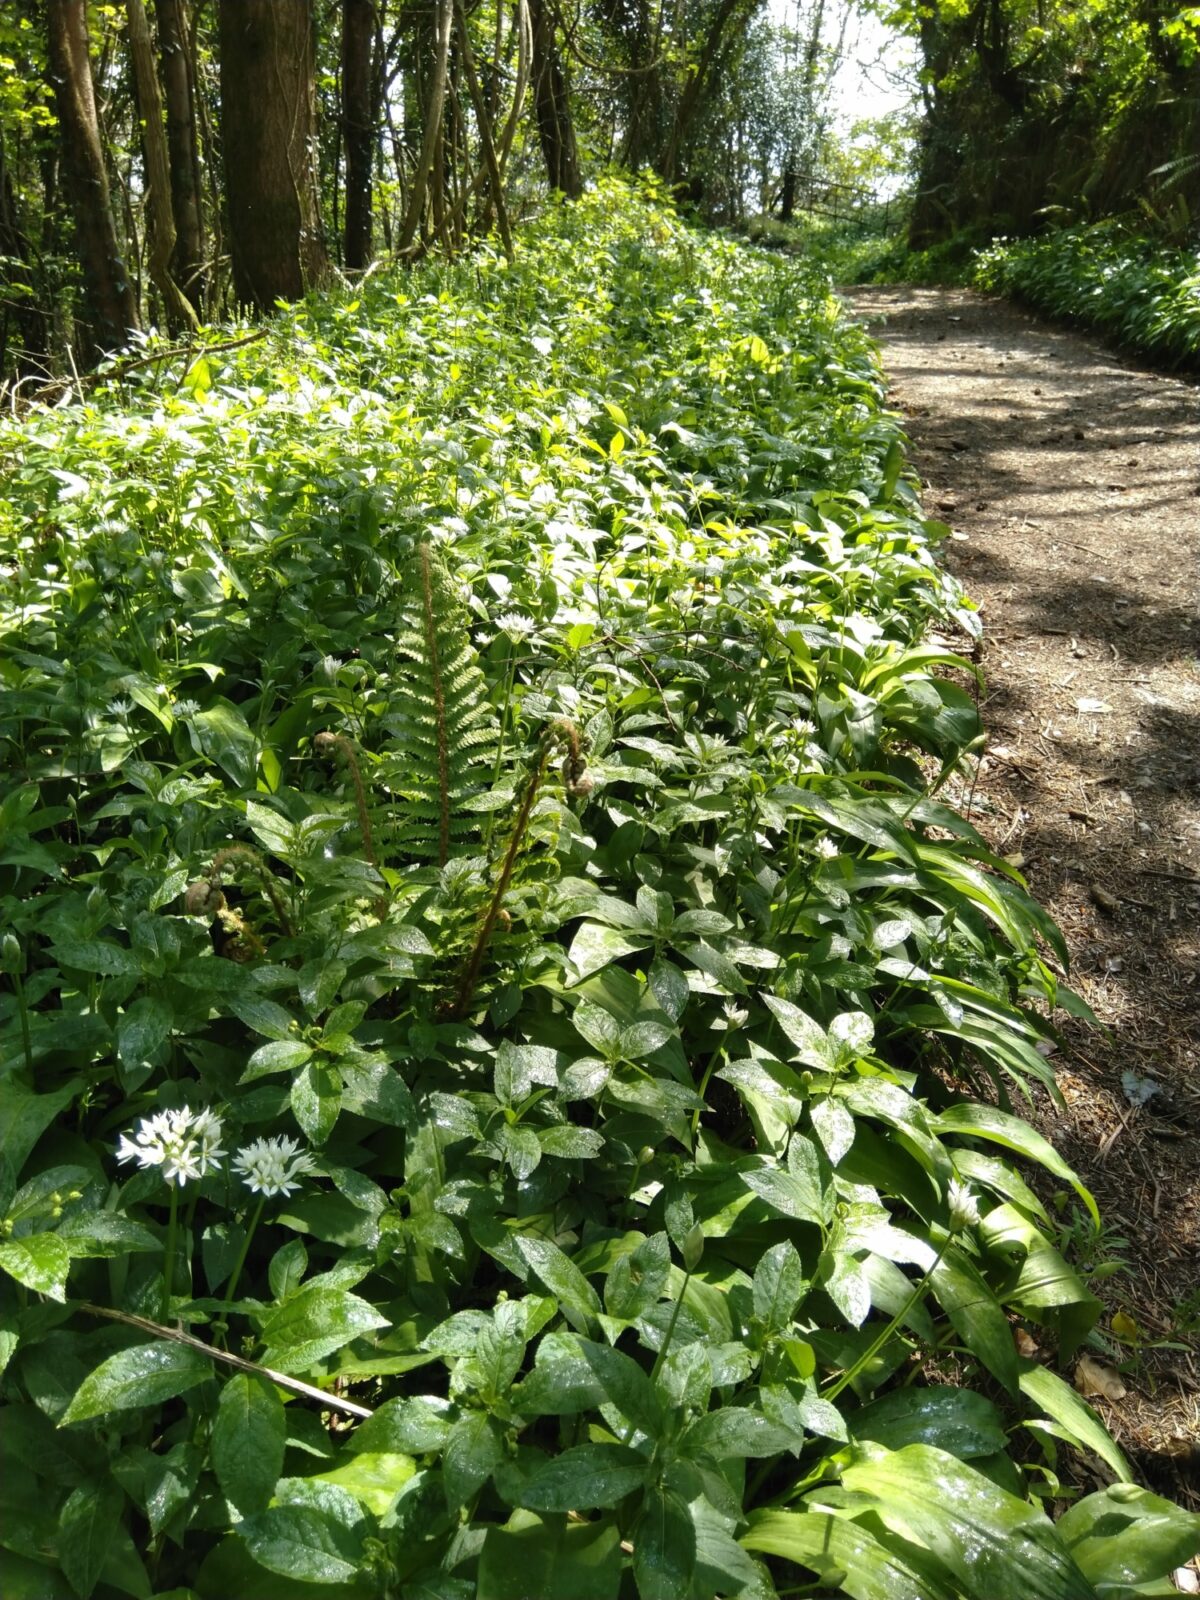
{"points": [[1143, 294], [507, 1060]]}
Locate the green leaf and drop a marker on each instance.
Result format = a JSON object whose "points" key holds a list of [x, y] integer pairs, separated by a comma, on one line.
{"points": [[100, 956], [313, 1324], [566, 1140], [473, 1452], [636, 1280], [958, 1421], [416, 1425], [585, 1478], [522, 1150], [717, 966], [1073, 1414], [142, 1029], [40, 1261], [625, 1384], [247, 1442], [988, 1122], [222, 734], [669, 987], [599, 1027], [319, 982], [847, 1558], [834, 1126], [287, 1268], [24, 1117], [87, 1526], [145, 1375], [559, 1275], [102, 1234], [976, 1315], [735, 1432], [550, 1557], [1126, 1535], [262, 1015], [302, 1543], [280, 1055], [810, 1040], [779, 1286], [786, 1193], [664, 1546], [595, 947], [373, 1477], [316, 1100], [989, 1541]]}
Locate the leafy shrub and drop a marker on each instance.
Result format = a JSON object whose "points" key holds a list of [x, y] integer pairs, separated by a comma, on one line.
{"points": [[1143, 294], [495, 1010]]}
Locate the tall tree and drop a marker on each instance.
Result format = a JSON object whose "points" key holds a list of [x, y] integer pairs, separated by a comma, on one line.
{"points": [[360, 71], [552, 106], [268, 135], [179, 311], [183, 146], [110, 308]]}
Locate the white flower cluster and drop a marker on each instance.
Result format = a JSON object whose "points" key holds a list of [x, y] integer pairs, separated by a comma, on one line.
{"points": [[183, 1144], [964, 1207], [186, 1144], [272, 1166]]}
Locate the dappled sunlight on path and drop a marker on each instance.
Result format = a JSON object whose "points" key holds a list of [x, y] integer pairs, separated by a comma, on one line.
{"points": [[1072, 482]]}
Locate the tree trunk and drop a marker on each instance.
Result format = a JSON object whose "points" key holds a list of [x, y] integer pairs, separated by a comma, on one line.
{"points": [[433, 110], [110, 308], [183, 148], [268, 134], [179, 311], [19, 278], [726, 30], [552, 107], [787, 195], [358, 126]]}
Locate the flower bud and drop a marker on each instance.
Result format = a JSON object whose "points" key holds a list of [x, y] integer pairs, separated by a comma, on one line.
{"points": [[10, 956]]}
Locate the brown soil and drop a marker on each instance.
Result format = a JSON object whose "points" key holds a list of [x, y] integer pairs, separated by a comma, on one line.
{"points": [[1072, 481]]}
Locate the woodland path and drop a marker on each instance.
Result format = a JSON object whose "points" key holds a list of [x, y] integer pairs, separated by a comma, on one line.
{"points": [[1071, 478]]}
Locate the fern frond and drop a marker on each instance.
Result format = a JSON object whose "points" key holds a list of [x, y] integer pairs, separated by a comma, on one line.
{"points": [[442, 727]]}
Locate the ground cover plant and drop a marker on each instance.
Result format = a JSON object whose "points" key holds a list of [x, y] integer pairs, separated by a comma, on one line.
{"points": [[1144, 294], [511, 1075]]}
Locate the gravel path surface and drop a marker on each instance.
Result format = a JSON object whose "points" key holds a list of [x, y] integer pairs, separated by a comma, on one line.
{"points": [[1071, 479]]}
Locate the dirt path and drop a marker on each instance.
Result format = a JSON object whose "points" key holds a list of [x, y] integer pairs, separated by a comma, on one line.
{"points": [[1072, 481]]}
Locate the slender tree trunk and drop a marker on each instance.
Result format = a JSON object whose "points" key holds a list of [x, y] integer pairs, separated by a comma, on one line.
{"points": [[552, 107], [180, 313], [787, 194], [268, 134], [434, 109], [30, 317], [728, 23], [358, 126], [183, 148], [110, 308]]}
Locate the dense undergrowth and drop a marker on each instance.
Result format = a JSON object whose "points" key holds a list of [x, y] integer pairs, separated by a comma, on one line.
{"points": [[483, 942], [1143, 294]]}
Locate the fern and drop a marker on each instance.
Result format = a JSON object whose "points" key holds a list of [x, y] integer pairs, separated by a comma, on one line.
{"points": [[441, 723]]}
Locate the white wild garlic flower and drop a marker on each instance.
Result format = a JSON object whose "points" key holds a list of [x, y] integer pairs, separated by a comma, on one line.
{"points": [[515, 624], [964, 1207], [183, 1144], [272, 1166]]}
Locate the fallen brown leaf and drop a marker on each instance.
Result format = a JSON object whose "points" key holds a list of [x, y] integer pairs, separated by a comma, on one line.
{"points": [[1093, 1376]]}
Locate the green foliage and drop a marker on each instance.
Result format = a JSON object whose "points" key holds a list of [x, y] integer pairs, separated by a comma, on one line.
{"points": [[594, 1197], [1143, 294]]}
